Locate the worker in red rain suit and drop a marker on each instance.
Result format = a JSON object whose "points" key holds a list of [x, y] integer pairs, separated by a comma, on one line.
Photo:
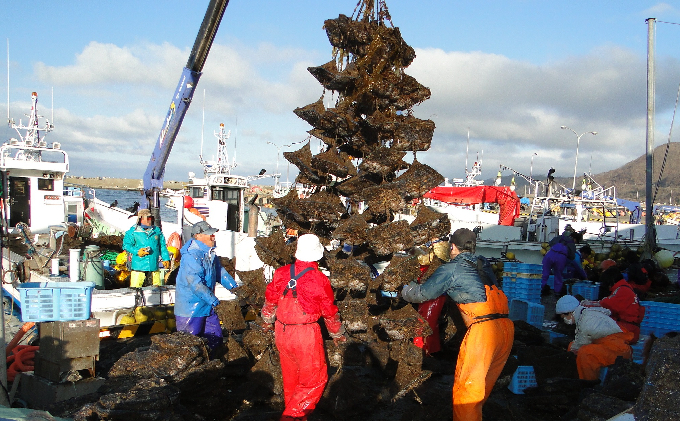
{"points": [[430, 310], [297, 297], [470, 282], [623, 303]]}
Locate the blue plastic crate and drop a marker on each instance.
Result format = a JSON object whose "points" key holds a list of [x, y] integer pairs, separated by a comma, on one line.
{"points": [[587, 290], [638, 348], [518, 309], [530, 268], [553, 336], [523, 309], [524, 377], [535, 314], [660, 318], [55, 301], [533, 297]]}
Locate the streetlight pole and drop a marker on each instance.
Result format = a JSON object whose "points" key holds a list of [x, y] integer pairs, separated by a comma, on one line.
{"points": [[578, 140], [278, 152]]}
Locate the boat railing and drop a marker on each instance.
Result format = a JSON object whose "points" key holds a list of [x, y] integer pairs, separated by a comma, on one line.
{"points": [[18, 154]]}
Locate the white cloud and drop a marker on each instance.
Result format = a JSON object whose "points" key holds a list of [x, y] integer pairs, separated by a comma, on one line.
{"points": [[113, 99]]}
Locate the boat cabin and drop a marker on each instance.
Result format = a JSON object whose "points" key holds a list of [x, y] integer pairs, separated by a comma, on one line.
{"points": [[32, 179]]}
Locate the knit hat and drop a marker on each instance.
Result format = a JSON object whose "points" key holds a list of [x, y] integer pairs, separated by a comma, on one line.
{"points": [[464, 239], [566, 304], [143, 212], [309, 248]]}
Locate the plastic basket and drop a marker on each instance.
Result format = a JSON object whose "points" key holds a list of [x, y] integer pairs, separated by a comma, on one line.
{"points": [[530, 268], [586, 290], [55, 301], [532, 313], [554, 336], [638, 348], [524, 377], [660, 318]]}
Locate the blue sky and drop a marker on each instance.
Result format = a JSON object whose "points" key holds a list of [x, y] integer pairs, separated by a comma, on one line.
{"points": [[510, 72]]}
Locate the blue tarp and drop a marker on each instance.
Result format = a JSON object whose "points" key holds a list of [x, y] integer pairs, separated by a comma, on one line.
{"points": [[524, 201]]}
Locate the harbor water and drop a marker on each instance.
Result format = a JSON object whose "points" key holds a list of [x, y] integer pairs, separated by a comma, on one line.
{"points": [[127, 198]]}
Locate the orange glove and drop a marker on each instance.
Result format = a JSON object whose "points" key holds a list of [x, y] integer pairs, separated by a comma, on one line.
{"points": [[166, 264], [144, 251]]}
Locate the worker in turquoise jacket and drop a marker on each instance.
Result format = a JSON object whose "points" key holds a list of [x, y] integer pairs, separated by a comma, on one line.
{"points": [[199, 272], [145, 244]]}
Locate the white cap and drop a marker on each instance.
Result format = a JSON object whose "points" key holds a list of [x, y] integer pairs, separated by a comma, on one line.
{"points": [[309, 248], [566, 304]]}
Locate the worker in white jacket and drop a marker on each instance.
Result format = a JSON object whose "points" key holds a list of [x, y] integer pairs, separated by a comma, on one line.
{"points": [[599, 340]]}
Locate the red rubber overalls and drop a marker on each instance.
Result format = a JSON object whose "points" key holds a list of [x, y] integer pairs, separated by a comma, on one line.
{"points": [[298, 335]]}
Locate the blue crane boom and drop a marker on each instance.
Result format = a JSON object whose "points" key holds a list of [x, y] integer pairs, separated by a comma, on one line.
{"points": [[155, 171]]}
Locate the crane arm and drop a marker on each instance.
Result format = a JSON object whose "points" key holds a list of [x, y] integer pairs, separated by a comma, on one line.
{"points": [[155, 171]]}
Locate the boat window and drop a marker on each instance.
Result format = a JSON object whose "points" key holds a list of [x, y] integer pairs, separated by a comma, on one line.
{"points": [[225, 194], [197, 192], [46, 184]]}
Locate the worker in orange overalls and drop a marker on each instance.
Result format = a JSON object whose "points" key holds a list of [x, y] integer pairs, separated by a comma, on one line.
{"points": [[298, 295], [469, 280]]}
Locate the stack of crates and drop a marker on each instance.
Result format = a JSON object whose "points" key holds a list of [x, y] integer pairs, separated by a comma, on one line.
{"points": [[522, 281], [660, 318], [531, 313], [588, 290]]}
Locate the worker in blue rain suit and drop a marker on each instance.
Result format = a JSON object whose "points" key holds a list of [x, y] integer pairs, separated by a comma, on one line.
{"points": [[469, 280], [145, 244], [199, 272]]}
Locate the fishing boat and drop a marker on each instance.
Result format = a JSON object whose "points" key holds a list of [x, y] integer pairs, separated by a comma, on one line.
{"points": [[218, 196]]}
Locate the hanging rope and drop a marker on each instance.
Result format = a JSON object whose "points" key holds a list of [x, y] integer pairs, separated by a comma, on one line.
{"points": [[668, 147]]}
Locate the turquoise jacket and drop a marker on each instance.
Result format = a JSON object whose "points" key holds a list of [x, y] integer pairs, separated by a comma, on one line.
{"points": [[138, 237], [199, 272]]}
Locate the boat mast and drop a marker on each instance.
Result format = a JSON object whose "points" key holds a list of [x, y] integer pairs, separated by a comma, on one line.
{"points": [[650, 233]]}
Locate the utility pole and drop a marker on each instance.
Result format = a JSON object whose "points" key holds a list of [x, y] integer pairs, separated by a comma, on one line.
{"points": [[650, 232]]}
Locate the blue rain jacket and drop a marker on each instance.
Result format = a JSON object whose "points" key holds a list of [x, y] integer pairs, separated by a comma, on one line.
{"points": [[138, 237], [198, 274]]}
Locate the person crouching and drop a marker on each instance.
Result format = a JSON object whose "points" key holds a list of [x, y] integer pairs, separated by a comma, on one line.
{"points": [[599, 340]]}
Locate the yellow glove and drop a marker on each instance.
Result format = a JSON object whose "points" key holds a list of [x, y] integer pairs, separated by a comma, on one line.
{"points": [[144, 251], [166, 264]]}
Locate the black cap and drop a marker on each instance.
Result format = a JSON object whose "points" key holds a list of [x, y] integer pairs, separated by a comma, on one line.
{"points": [[464, 239]]}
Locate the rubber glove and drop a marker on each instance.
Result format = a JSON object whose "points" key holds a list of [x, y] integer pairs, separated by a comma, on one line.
{"points": [[339, 339], [144, 251], [166, 264], [411, 293]]}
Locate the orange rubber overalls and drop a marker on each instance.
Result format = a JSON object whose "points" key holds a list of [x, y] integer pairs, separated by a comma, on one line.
{"points": [[483, 353]]}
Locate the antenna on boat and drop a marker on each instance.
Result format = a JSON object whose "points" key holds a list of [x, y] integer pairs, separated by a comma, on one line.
{"points": [[467, 150], [202, 128], [233, 158], [8, 118], [52, 117]]}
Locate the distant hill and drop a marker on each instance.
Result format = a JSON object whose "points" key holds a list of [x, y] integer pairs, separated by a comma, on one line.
{"points": [[629, 179]]}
